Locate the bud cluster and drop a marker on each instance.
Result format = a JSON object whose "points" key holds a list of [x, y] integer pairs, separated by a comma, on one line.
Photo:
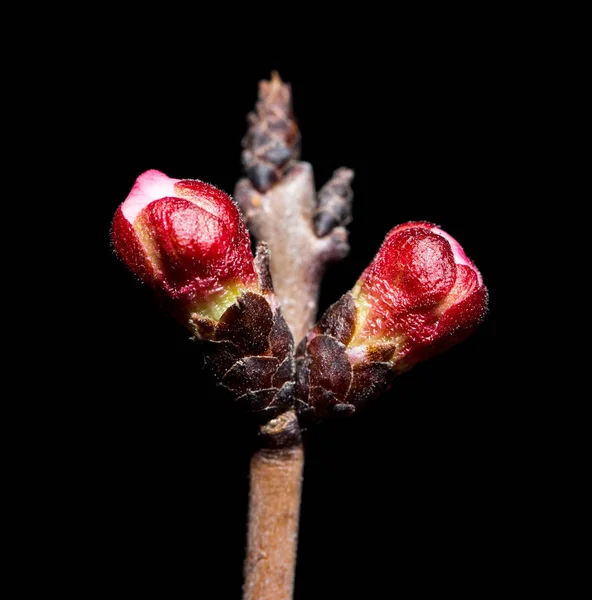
{"points": [[419, 295]]}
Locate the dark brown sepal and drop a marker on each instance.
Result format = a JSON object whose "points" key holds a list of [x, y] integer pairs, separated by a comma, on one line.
{"points": [[322, 402], [284, 373], [267, 403], [329, 367], [251, 354], [247, 324], [381, 352], [369, 381], [339, 321], [256, 400], [221, 356], [284, 399], [328, 384], [301, 348], [302, 375], [251, 373], [280, 339], [323, 378], [262, 268]]}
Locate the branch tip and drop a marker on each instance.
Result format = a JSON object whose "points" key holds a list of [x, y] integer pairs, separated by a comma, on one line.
{"points": [[272, 142]]}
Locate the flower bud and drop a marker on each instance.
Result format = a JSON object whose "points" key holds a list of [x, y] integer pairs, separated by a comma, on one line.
{"points": [[187, 239], [419, 296]]}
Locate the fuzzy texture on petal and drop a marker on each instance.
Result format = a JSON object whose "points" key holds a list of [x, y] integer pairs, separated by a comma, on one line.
{"points": [[149, 186], [420, 286], [420, 295], [185, 237]]}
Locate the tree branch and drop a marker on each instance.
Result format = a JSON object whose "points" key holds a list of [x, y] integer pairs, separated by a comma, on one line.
{"points": [[274, 507], [304, 234]]}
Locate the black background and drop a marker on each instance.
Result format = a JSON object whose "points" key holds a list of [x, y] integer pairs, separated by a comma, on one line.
{"points": [[424, 490]]}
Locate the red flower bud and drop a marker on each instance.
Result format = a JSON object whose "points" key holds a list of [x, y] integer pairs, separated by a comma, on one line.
{"points": [[185, 238], [420, 291], [419, 295]]}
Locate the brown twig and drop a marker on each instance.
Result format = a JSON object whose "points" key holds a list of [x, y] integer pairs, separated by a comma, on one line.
{"points": [[304, 234], [283, 209], [274, 507]]}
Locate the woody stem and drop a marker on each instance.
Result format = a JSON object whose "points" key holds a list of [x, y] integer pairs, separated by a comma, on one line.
{"points": [[280, 205], [274, 507]]}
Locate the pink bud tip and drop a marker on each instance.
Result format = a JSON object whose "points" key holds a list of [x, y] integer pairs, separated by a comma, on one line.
{"points": [[185, 237], [422, 290]]}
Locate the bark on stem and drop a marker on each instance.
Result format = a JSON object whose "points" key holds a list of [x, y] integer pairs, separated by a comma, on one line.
{"points": [[303, 233], [283, 217], [274, 507]]}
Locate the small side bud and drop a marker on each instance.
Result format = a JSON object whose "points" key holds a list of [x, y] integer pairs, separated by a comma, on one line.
{"points": [[335, 203], [419, 296]]}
